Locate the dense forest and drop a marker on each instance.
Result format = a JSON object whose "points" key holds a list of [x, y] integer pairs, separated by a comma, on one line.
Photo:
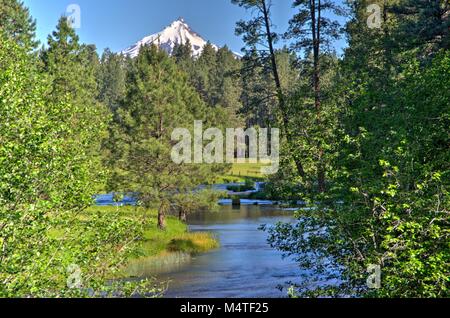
{"points": [[365, 144]]}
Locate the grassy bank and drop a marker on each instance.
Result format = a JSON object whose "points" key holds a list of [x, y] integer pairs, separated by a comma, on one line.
{"points": [[241, 172], [156, 244]]}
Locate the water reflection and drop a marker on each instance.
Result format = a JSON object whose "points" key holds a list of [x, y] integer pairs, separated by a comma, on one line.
{"points": [[244, 266]]}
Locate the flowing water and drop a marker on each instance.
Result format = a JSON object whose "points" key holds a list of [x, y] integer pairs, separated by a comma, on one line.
{"points": [[244, 266]]}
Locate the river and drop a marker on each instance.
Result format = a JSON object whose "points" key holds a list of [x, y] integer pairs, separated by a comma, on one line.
{"points": [[244, 266]]}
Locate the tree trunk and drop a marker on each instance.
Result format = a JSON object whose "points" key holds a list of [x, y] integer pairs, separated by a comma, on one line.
{"points": [[316, 28], [321, 178], [280, 95], [182, 215], [162, 217]]}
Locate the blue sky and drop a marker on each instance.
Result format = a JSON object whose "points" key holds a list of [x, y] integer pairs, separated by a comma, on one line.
{"points": [[117, 24]]}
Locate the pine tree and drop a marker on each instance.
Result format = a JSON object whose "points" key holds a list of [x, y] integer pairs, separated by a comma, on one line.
{"points": [[425, 24], [227, 82], [62, 60], [215, 75], [183, 55], [203, 73], [260, 45], [111, 79], [16, 23], [313, 32], [159, 98], [259, 100]]}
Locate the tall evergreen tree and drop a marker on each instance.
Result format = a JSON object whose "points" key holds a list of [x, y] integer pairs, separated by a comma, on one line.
{"points": [[16, 23], [259, 100], [260, 42], [257, 94], [425, 24], [228, 84], [183, 55], [111, 79], [215, 75], [203, 74], [159, 98], [313, 32]]}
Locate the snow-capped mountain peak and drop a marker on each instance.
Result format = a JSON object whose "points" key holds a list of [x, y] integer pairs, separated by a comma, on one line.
{"points": [[178, 32]]}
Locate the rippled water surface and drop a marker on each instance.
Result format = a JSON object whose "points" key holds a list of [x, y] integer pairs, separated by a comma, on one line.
{"points": [[244, 266]]}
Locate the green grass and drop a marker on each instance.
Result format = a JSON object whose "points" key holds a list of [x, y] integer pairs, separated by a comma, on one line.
{"points": [[157, 243], [159, 251], [241, 172], [193, 243], [164, 253], [175, 238]]}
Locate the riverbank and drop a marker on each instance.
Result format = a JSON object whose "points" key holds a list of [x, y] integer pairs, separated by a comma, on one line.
{"points": [[155, 245], [245, 266]]}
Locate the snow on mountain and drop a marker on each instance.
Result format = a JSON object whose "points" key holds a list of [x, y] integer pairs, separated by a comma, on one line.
{"points": [[179, 32]]}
